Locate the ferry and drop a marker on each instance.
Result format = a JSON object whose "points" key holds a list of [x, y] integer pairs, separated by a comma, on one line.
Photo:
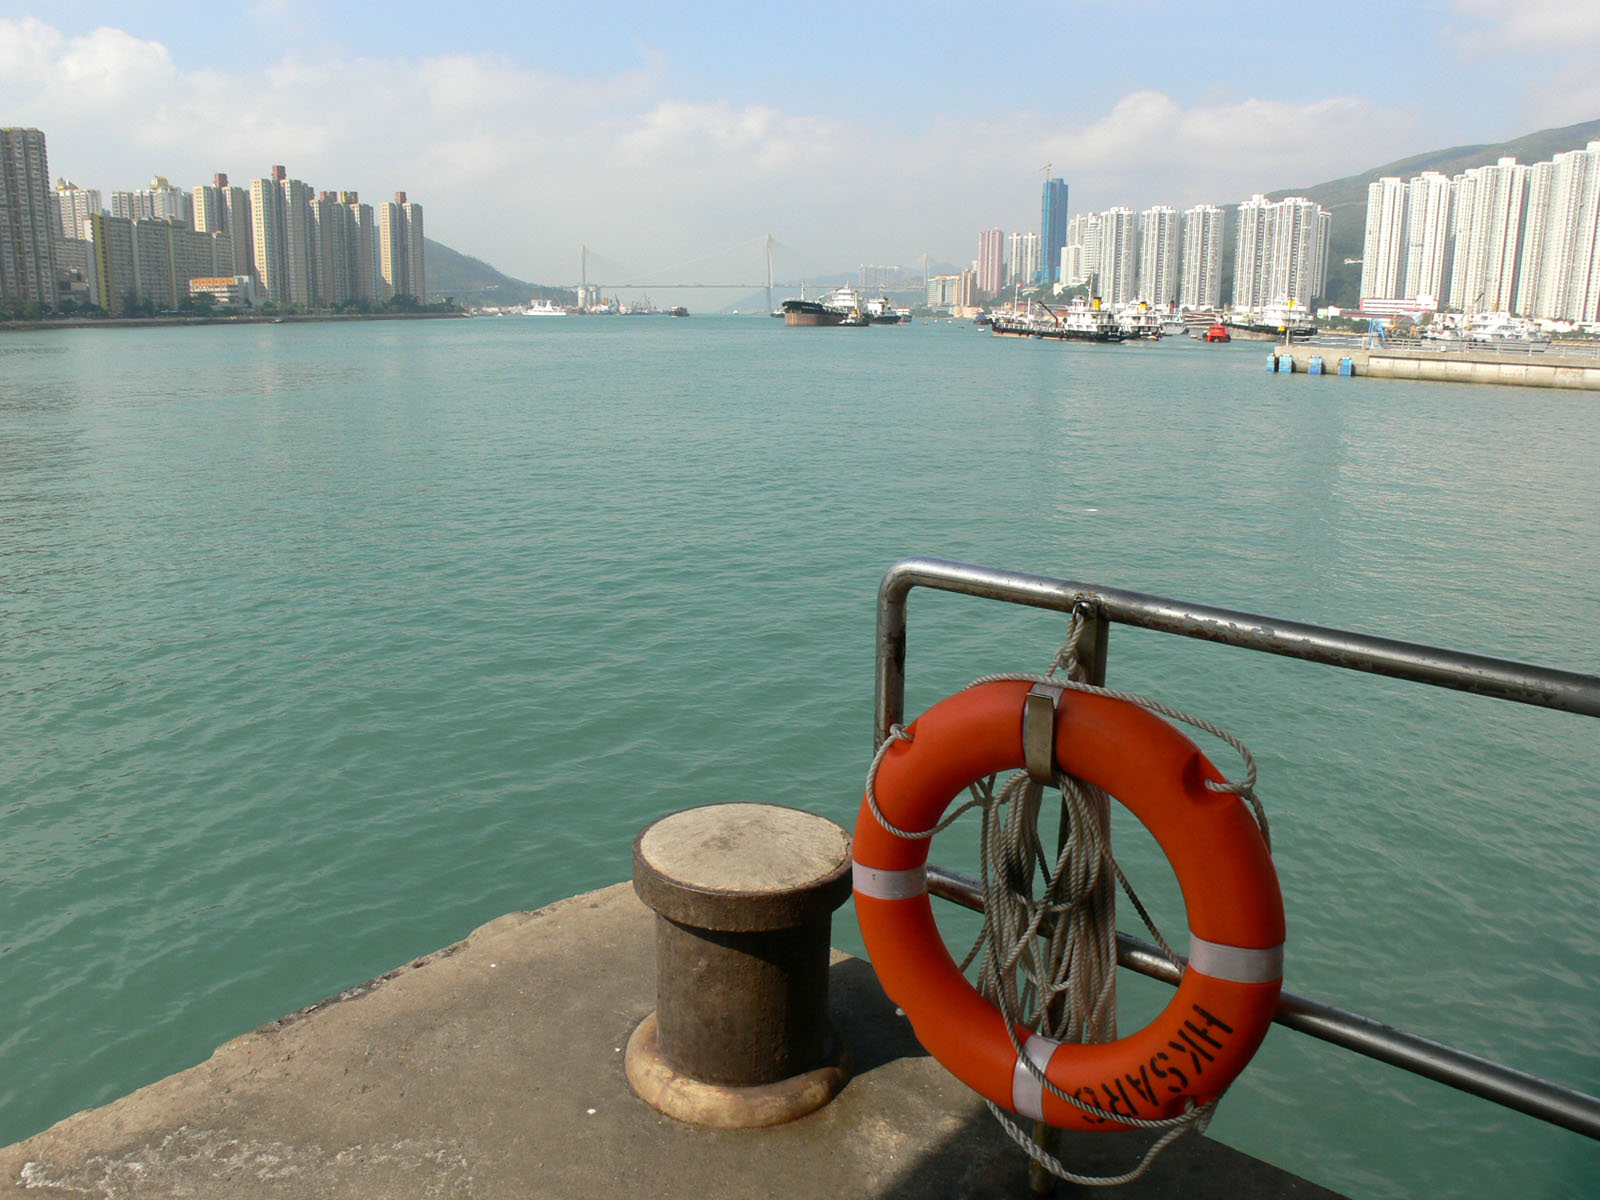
{"points": [[545, 308]]}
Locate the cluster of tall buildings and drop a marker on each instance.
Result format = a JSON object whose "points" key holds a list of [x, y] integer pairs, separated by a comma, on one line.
{"points": [[278, 240], [1503, 238], [1162, 257]]}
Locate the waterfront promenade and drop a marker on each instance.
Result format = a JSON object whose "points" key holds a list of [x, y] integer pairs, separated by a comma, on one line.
{"points": [[493, 1068]]}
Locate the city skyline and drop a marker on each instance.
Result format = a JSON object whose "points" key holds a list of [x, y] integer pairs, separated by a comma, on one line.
{"points": [[696, 132]]}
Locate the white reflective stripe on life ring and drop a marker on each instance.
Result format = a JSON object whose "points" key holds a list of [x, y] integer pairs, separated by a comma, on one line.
{"points": [[889, 885], [1236, 964], [1027, 1089]]}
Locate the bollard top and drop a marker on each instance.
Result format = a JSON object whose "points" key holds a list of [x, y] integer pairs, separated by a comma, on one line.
{"points": [[742, 867]]}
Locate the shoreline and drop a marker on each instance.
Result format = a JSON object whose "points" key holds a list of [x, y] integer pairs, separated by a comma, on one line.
{"points": [[164, 322]]}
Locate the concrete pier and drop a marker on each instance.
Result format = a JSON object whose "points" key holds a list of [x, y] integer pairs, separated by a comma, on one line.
{"points": [[493, 1068], [1552, 367]]}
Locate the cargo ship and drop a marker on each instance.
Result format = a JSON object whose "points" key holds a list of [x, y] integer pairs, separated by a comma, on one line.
{"points": [[842, 306]]}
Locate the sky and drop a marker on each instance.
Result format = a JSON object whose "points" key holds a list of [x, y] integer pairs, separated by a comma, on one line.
{"points": [[673, 138]]}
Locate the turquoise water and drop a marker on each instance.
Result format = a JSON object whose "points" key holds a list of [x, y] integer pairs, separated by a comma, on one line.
{"points": [[321, 645]]}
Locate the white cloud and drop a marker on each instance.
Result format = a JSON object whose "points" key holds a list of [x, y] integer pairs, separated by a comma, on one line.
{"points": [[518, 166], [1556, 24], [1551, 43], [27, 47]]}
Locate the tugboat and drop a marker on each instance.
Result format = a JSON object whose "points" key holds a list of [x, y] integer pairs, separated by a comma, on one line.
{"points": [[1218, 333], [881, 311]]}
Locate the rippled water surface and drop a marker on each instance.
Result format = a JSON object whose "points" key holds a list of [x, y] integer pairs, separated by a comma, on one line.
{"points": [[321, 645]]}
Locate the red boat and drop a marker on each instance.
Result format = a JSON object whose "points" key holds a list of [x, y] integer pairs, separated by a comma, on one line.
{"points": [[1218, 333]]}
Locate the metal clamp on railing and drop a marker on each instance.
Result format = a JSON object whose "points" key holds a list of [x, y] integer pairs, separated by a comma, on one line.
{"points": [[1039, 731]]}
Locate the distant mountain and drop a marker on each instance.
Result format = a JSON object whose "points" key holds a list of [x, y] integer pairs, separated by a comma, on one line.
{"points": [[1346, 198], [469, 280]]}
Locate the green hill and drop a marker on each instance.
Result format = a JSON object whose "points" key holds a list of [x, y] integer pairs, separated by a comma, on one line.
{"points": [[1346, 198], [470, 281]]}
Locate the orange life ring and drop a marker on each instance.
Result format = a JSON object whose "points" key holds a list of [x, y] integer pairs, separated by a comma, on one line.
{"points": [[1217, 1018]]}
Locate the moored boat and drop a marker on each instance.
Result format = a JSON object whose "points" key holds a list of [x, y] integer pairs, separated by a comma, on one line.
{"points": [[1071, 323], [809, 312], [881, 311]]}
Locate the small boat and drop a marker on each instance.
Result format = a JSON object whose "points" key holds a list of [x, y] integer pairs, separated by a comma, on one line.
{"points": [[1218, 333], [678, 310]]}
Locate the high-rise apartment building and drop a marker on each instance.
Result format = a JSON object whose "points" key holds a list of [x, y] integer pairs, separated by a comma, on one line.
{"points": [[138, 260], [1427, 237], [158, 202], [1384, 246], [953, 291], [1559, 278], [1281, 256], [991, 263], [1080, 258], [1201, 275], [363, 261], [400, 249], [1158, 256], [400, 253], [1022, 258], [73, 206], [267, 237], [220, 208], [330, 250], [1119, 255], [1488, 216], [1052, 230], [1504, 237], [298, 241], [282, 245], [28, 220], [113, 281]]}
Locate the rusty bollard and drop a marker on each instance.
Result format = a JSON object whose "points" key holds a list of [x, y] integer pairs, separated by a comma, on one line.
{"points": [[744, 897]]}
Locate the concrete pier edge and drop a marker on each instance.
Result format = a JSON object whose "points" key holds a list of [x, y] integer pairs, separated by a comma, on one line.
{"points": [[494, 1068]]}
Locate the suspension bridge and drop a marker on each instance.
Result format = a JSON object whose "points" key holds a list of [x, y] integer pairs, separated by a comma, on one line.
{"points": [[769, 261]]}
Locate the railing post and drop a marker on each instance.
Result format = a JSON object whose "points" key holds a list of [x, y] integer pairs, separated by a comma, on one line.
{"points": [[1093, 645]]}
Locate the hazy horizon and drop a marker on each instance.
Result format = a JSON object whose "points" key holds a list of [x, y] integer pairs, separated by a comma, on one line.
{"points": [[663, 136]]}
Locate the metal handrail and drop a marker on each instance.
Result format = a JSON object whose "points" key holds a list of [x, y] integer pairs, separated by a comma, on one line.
{"points": [[1501, 679]]}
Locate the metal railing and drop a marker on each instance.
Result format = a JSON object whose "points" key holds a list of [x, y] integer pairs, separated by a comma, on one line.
{"points": [[1577, 353], [1501, 679]]}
